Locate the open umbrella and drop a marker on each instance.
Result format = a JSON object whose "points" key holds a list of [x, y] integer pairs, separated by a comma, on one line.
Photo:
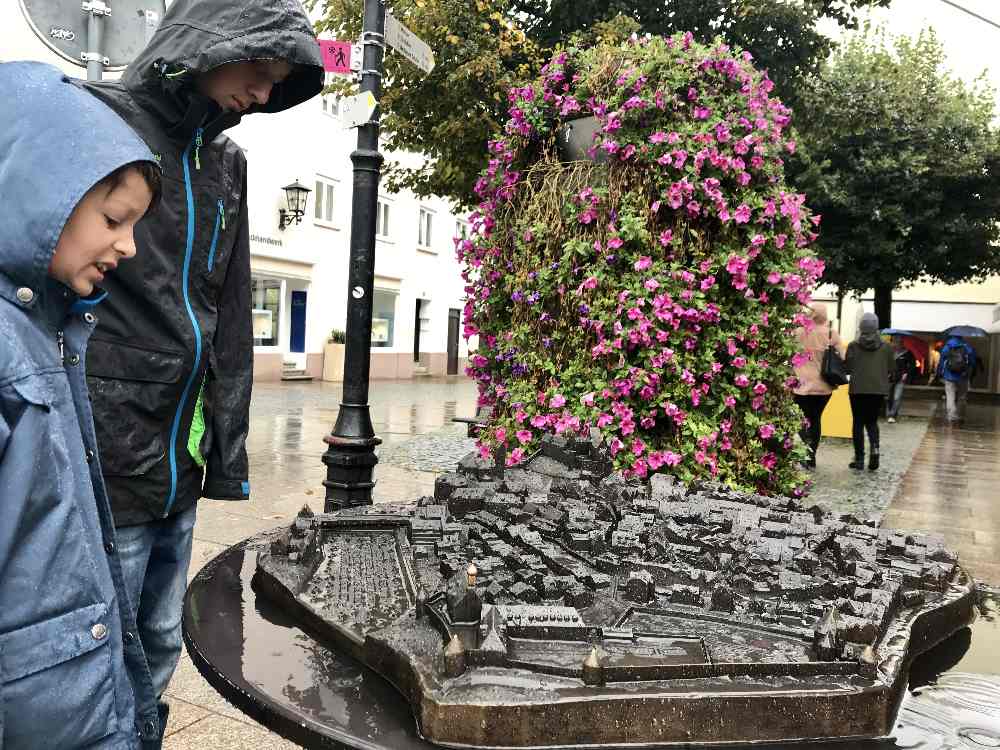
{"points": [[896, 332], [973, 331]]}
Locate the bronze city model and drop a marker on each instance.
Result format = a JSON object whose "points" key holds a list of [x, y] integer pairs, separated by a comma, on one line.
{"points": [[561, 606]]}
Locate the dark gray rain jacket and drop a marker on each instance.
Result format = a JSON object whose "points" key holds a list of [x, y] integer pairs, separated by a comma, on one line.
{"points": [[72, 672], [176, 338]]}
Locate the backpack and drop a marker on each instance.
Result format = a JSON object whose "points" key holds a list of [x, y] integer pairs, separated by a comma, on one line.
{"points": [[958, 360]]}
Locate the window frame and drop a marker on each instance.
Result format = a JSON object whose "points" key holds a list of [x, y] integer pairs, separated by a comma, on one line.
{"points": [[322, 204], [425, 229]]}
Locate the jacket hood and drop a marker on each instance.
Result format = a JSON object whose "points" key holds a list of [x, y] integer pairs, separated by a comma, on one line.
{"points": [[197, 36], [869, 337], [818, 313], [56, 142]]}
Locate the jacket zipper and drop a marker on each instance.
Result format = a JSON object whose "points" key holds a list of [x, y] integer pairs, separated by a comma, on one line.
{"points": [[197, 148], [186, 277], [220, 221], [61, 340]]}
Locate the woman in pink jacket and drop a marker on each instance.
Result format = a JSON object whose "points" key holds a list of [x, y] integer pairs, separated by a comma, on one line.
{"points": [[813, 393]]}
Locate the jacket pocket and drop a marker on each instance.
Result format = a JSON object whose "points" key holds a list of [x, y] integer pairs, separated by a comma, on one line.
{"points": [[58, 681], [134, 391]]}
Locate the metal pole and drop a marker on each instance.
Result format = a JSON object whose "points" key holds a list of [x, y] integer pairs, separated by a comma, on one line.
{"points": [[96, 11], [350, 456]]}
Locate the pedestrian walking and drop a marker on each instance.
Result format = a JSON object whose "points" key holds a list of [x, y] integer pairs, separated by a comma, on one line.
{"points": [[72, 674], [813, 393], [956, 367], [903, 373], [171, 363], [871, 362]]}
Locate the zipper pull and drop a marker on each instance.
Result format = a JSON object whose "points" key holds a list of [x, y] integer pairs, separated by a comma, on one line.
{"points": [[60, 339], [197, 148], [222, 214]]}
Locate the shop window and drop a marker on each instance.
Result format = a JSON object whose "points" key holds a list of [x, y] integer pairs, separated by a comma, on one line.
{"points": [[266, 312], [383, 317]]}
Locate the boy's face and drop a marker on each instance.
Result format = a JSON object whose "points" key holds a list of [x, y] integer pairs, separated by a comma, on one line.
{"points": [[238, 86], [99, 232]]}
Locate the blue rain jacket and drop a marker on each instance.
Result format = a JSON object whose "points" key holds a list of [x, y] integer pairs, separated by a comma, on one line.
{"points": [[72, 671], [943, 372]]}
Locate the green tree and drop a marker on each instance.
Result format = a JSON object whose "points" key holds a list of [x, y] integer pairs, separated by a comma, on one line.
{"points": [[901, 159], [484, 47]]}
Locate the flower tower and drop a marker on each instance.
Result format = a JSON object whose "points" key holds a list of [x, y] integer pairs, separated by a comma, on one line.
{"points": [[653, 289]]}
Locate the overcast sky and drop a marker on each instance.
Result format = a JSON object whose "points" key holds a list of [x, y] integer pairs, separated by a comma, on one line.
{"points": [[971, 45]]}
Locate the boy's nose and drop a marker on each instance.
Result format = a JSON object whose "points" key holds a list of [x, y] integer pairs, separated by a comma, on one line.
{"points": [[261, 92], [126, 246]]}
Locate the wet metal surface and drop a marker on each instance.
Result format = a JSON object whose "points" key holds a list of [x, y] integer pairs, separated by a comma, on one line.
{"points": [[264, 664]]}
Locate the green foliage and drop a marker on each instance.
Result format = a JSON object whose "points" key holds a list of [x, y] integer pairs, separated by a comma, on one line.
{"points": [[652, 295], [338, 337], [484, 47], [901, 159]]}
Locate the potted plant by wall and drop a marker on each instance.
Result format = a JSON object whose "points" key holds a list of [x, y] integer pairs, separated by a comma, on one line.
{"points": [[333, 357]]}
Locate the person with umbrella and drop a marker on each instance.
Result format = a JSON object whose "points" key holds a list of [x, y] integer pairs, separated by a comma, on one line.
{"points": [[956, 367]]}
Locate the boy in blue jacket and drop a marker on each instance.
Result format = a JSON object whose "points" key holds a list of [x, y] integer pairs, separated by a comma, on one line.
{"points": [[75, 180]]}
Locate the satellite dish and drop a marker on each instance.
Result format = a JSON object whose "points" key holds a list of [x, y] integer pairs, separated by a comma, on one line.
{"points": [[125, 26]]}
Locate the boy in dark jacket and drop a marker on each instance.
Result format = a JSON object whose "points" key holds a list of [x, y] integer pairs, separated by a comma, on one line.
{"points": [[75, 180], [171, 364], [871, 363]]}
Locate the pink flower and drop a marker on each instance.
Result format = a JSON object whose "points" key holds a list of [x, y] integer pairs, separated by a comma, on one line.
{"points": [[643, 263], [658, 137], [774, 277], [587, 399], [666, 237], [766, 431], [741, 380], [604, 420], [729, 401], [638, 447], [557, 401], [538, 421], [524, 436], [501, 435], [742, 214]]}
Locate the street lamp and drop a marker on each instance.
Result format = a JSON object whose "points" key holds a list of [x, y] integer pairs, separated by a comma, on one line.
{"points": [[296, 196], [350, 455]]}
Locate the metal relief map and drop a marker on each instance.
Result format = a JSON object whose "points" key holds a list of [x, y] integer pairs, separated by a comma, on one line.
{"points": [[562, 606]]}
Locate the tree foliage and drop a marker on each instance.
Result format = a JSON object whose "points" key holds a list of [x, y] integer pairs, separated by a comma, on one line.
{"points": [[901, 159], [484, 47], [652, 295]]}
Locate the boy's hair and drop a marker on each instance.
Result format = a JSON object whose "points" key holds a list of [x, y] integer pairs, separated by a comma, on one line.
{"points": [[149, 172]]}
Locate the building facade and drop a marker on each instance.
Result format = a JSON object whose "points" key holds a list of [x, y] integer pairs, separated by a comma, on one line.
{"points": [[300, 271]]}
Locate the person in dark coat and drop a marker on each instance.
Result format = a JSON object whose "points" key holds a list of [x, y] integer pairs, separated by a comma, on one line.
{"points": [[905, 369], [171, 363], [871, 362], [75, 180]]}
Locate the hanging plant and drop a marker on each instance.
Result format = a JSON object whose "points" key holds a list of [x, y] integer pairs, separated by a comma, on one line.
{"points": [[650, 291]]}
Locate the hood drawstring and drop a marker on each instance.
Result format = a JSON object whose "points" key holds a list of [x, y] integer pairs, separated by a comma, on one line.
{"points": [[197, 148]]}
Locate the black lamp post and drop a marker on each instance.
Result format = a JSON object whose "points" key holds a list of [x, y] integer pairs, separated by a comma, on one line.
{"points": [[350, 456], [296, 196]]}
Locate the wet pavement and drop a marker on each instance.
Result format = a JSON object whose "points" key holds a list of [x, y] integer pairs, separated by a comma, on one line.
{"points": [[933, 477]]}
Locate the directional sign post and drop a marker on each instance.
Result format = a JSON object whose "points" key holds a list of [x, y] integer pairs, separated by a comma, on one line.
{"points": [[336, 56], [408, 44]]}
